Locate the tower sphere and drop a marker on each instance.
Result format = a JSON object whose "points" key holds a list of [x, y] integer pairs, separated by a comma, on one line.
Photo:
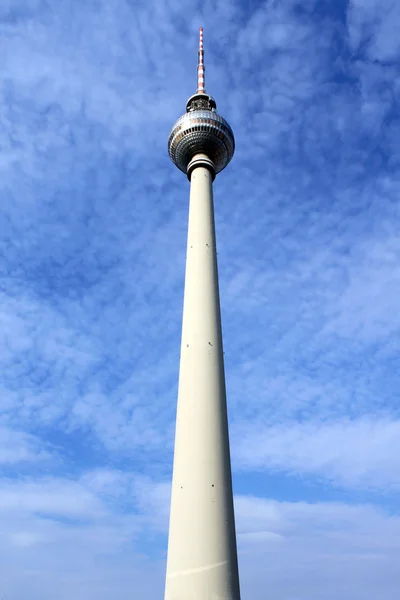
{"points": [[201, 131]]}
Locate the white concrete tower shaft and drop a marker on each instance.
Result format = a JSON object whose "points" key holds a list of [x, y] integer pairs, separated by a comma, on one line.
{"points": [[202, 555]]}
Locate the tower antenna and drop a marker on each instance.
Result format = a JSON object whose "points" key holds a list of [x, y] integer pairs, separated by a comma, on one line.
{"points": [[200, 66]]}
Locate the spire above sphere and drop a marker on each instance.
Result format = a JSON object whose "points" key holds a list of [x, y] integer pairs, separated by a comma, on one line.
{"points": [[202, 556], [200, 66]]}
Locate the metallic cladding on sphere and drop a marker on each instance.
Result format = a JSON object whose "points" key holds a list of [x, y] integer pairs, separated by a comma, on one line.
{"points": [[201, 131]]}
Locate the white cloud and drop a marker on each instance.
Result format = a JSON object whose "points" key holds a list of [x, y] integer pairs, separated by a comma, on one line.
{"points": [[22, 447], [367, 308], [301, 550], [374, 23], [51, 496], [355, 453]]}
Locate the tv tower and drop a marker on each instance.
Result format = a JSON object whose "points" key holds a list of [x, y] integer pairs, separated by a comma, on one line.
{"points": [[202, 555]]}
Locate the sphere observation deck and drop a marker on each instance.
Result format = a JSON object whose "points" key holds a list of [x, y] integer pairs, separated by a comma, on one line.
{"points": [[201, 131]]}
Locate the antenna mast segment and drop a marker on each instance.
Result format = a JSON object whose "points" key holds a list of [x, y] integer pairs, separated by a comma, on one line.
{"points": [[200, 67]]}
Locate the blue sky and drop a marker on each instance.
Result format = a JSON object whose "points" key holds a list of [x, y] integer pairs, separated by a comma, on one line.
{"points": [[93, 230]]}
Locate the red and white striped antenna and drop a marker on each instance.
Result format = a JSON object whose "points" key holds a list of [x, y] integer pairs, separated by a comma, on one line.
{"points": [[200, 66]]}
